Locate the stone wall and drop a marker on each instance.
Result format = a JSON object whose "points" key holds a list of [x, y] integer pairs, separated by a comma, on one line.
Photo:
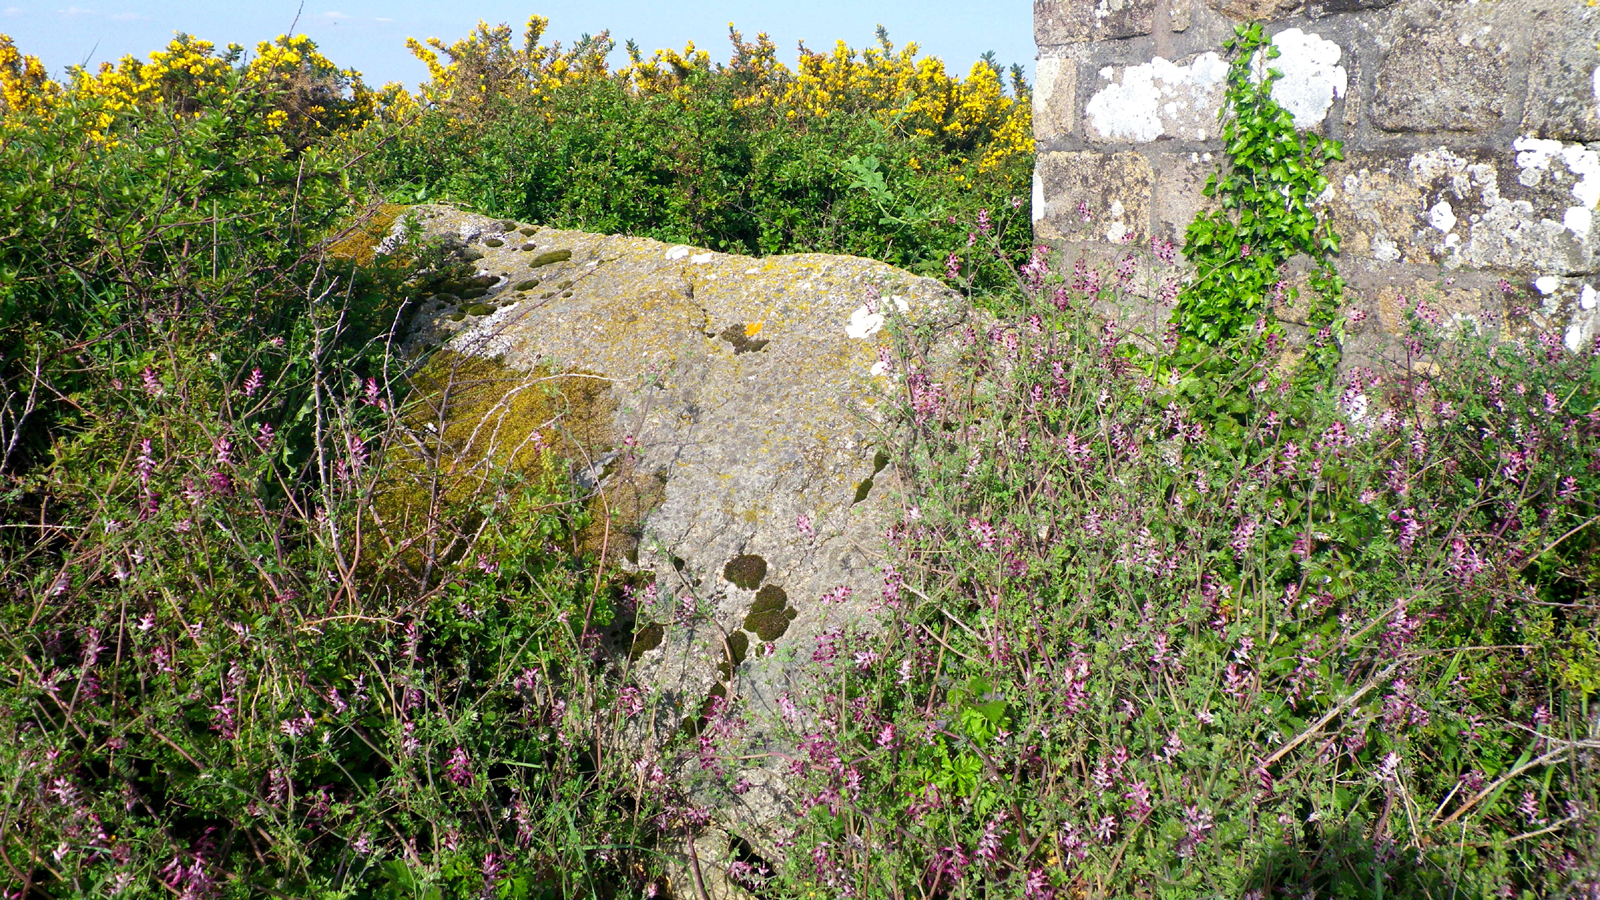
{"points": [[1470, 129]]}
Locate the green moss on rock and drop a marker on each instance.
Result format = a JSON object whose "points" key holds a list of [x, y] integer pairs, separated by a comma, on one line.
{"points": [[862, 490], [771, 614], [545, 259], [646, 639], [746, 571]]}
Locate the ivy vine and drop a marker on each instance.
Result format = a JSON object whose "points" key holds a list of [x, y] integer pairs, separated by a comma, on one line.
{"points": [[1267, 188]]}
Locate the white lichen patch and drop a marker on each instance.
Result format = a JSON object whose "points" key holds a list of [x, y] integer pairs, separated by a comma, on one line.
{"points": [[1493, 231], [1133, 109], [1118, 229], [1163, 99], [700, 259], [1312, 76], [678, 252], [1442, 216], [865, 322], [1584, 325], [1536, 157]]}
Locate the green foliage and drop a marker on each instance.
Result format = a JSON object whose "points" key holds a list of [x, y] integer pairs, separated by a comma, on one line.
{"points": [[225, 674], [1233, 641], [708, 169], [1267, 195], [1160, 624]]}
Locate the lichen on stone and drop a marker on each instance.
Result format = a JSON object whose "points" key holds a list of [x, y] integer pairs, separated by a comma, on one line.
{"points": [[740, 337]]}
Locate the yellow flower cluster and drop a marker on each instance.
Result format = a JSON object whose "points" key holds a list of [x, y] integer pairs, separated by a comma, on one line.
{"points": [[314, 96], [667, 71], [25, 87], [308, 94], [915, 95], [484, 65], [188, 71], [974, 116]]}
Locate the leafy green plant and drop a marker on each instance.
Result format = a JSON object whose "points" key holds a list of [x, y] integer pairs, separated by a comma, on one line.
{"points": [[1267, 195], [1240, 642]]}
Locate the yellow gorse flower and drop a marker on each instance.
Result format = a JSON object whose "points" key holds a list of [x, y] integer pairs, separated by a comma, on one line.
{"points": [[25, 87], [971, 116], [309, 95]]}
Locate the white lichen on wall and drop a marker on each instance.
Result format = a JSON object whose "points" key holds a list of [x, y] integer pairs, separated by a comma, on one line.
{"points": [[1472, 224], [1584, 326], [1534, 158], [1163, 99], [1157, 95], [1312, 76]]}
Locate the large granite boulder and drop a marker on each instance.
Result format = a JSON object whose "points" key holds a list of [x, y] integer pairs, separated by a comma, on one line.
{"points": [[740, 446]]}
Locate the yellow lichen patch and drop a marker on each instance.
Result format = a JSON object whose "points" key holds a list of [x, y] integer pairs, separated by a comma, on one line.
{"points": [[361, 244], [751, 329], [476, 423]]}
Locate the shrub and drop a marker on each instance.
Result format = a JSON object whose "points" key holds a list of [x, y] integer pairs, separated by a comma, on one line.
{"points": [[878, 154], [226, 674]]}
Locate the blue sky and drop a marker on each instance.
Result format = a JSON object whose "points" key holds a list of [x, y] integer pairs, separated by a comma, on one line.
{"points": [[370, 35]]}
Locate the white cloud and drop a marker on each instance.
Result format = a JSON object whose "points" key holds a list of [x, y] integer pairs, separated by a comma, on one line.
{"points": [[128, 17], [13, 11], [333, 14], [385, 19]]}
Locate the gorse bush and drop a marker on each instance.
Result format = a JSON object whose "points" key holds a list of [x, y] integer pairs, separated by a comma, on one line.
{"points": [[878, 153]]}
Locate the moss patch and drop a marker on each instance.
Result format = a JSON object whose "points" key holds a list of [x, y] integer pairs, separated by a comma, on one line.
{"points": [[746, 571], [545, 259], [736, 646], [528, 285], [646, 639], [879, 460], [739, 337], [629, 495], [771, 614], [360, 246], [862, 490], [474, 423]]}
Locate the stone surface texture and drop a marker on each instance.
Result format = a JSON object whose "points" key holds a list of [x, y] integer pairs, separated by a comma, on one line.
{"points": [[751, 390], [1471, 131]]}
